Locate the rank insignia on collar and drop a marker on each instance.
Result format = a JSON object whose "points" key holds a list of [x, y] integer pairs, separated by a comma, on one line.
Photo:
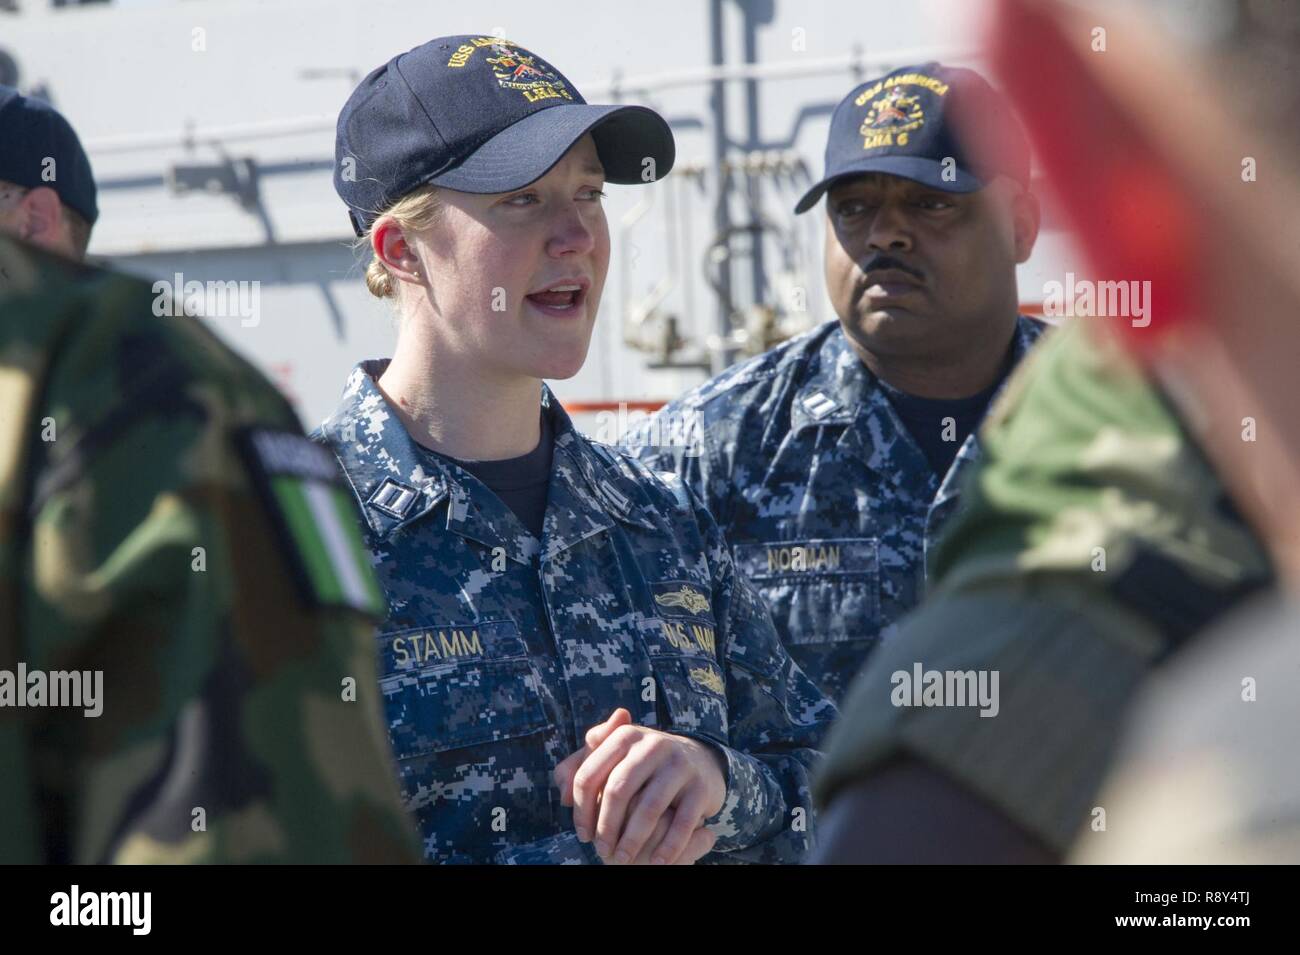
{"points": [[393, 498], [819, 405], [615, 498]]}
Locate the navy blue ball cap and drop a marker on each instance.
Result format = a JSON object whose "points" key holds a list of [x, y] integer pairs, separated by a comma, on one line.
{"points": [[479, 114], [38, 147], [942, 126]]}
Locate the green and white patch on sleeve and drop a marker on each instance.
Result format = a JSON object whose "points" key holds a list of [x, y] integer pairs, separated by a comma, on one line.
{"points": [[300, 484]]}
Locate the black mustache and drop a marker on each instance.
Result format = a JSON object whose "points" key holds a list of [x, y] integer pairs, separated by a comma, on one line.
{"points": [[881, 261]]}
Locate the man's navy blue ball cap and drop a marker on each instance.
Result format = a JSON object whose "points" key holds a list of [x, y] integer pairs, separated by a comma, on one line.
{"points": [[944, 127], [479, 114], [38, 147]]}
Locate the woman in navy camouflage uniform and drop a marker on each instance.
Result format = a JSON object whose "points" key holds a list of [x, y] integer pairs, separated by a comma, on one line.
{"points": [[572, 669]]}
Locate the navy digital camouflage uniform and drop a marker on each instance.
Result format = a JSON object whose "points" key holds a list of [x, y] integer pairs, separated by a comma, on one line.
{"points": [[500, 651], [828, 502]]}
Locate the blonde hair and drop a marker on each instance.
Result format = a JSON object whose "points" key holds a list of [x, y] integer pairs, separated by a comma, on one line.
{"points": [[414, 212]]}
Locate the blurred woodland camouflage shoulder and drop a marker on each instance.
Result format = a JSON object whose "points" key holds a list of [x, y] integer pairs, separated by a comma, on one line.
{"points": [[186, 665]]}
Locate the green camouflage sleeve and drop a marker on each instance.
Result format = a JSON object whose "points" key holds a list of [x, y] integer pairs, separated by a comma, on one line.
{"points": [[181, 555], [1093, 541]]}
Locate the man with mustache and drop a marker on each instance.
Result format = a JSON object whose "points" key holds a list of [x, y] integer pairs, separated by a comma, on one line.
{"points": [[833, 461]]}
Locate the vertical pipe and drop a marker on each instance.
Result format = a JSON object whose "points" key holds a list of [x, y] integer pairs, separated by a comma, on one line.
{"points": [[721, 214], [753, 143]]}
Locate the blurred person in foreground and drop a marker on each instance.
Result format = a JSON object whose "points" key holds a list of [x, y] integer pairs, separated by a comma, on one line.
{"points": [[186, 614], [1139, 487]]}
